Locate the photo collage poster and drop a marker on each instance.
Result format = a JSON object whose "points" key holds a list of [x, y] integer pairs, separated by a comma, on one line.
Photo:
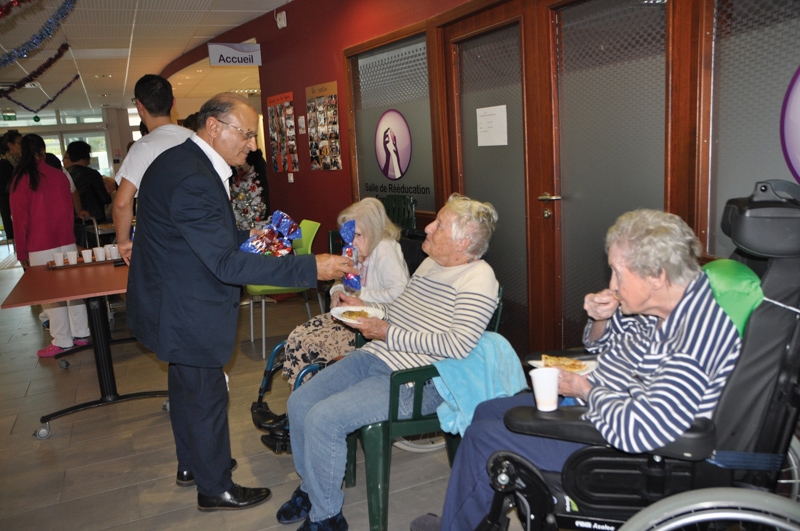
{"points": [[282, 139], [322, 109]]}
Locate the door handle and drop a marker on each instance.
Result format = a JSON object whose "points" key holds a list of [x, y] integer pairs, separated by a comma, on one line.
{"points": [[547, 197]]}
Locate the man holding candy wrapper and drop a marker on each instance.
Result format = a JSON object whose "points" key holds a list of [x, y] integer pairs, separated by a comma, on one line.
{"points": [[184, 288]]}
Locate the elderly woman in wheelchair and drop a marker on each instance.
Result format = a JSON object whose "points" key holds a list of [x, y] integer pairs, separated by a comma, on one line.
{"points": [[443, 312], [666, 349]]}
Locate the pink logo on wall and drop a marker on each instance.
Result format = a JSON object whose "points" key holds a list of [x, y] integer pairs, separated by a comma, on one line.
{"points": [[790, 126], [393, 144]]}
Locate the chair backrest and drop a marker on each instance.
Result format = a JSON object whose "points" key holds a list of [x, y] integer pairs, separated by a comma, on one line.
{"points": [[335, 242], [302, 245], [401, 209], [758, 408], [494, 322]]}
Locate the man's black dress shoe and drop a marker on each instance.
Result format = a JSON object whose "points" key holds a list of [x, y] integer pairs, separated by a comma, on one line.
{"points": [[186, 478], [235, 498]]}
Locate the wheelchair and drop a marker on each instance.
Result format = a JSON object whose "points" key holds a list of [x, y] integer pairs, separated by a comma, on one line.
{"points": [[722, 473]]}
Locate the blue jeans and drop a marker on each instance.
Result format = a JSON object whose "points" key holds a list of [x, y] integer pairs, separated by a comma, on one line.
{"points": [[323, 411]]}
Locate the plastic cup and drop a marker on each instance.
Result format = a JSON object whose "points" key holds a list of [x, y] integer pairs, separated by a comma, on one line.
{"points": [[72, 257], [545, 388], [114, 252], [107, 249], [99, 254], [58, 258], [87, 256]]}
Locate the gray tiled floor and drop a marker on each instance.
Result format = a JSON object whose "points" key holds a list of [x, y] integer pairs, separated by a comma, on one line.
{"points": [[114, 467]]}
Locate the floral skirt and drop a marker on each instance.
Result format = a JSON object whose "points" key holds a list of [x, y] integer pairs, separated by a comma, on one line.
{"points": [[319, 340]]}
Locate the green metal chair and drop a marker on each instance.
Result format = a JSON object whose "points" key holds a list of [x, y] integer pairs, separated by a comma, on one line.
{"points": [[301, 246], [377, 438]]}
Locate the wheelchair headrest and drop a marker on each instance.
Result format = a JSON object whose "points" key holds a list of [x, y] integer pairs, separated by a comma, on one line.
{"points": [[767, 223]]}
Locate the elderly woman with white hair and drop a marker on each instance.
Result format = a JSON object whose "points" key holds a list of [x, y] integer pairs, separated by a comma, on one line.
{"points": [[666, 349], [442, 313], [384, 275]]}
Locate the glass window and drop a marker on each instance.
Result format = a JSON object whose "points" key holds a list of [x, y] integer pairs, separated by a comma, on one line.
{"points": [[756, 53], [26, 119], [83, 116], [133, 118], [52, 144], [100, 159], [394, 78]]}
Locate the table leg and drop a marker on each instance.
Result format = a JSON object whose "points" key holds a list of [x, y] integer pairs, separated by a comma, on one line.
{"points": [[101, 342]]}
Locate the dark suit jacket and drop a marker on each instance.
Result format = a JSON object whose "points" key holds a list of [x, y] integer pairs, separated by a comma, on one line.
{"points": [[94, 196], [187, 270]]}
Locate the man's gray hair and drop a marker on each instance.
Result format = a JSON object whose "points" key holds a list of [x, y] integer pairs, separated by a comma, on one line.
{"points": [[473, 220], [218, 106], [654, 241]]}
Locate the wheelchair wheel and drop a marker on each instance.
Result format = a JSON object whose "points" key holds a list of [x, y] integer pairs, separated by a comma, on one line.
{"points": [[718, 509], [789, 482], [420, 444]]}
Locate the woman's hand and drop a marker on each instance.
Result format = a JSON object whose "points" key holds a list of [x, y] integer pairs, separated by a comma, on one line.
{"points": [[571, 384], [336, 299], [347, 300], [371, 327], [601, 306]]}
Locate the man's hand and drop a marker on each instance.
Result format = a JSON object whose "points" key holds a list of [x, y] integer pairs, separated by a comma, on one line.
{"points": [[331, 266], [371, 327], [84, 214], [125, 250]]}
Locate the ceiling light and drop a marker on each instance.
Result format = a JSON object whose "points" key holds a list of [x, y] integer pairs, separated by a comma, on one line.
{"points": [[105, 95], [199, 70], [102, 75]]}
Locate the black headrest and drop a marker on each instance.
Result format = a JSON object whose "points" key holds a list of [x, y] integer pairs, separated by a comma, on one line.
{"points": [[768, 222]]}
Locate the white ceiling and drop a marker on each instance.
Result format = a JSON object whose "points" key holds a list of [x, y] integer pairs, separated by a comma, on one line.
{"points": [[123, 39]]}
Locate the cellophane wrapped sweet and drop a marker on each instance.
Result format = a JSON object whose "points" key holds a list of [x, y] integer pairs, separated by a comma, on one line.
{"points": [[348, 232], [276, 239]]}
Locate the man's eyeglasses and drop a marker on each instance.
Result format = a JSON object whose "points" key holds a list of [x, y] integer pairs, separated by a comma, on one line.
{"points": [[133, 100], [248, 135]]}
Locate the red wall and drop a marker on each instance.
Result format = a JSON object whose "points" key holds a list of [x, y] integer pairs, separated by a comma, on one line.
{"points": [[309, 52]]}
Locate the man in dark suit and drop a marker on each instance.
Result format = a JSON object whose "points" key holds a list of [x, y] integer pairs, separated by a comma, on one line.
{"points": [[184, 286]]}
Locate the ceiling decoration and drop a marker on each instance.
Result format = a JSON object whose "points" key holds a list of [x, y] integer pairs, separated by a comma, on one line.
{"points": [[115, 42]]}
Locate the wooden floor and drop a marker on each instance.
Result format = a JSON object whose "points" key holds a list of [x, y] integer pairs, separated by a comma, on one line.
{"points": [[114, 467]]}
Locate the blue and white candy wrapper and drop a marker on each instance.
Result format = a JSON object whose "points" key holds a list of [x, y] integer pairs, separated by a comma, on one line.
{"points": [[348, 232]]}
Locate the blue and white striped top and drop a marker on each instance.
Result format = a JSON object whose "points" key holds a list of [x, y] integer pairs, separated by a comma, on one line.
{"points": [[652, 382], [441, 314]]}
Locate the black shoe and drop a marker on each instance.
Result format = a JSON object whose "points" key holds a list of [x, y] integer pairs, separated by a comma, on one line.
{"points": [[235, 498], [186, 478], [263, 417], [278, 444]]}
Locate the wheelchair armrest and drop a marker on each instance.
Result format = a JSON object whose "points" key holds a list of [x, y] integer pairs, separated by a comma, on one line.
{"points": [[564, 423], [697, 443]]}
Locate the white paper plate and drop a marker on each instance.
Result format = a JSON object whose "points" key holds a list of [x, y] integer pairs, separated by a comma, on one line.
{"points": [[339, 310], [590, 366]]}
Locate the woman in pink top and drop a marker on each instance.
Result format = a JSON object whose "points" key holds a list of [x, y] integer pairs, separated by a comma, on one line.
{"points": [[41, 207]]}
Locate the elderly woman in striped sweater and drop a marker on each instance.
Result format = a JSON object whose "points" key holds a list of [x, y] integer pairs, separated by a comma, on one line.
{"points": [[442, 313], [667, 349]]}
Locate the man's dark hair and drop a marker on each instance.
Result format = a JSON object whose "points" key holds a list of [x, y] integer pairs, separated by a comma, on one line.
{"points": [[79, 150], [155, 94]]}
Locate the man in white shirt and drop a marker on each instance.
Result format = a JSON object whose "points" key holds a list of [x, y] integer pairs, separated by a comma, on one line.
{"points": [[154, 102]]}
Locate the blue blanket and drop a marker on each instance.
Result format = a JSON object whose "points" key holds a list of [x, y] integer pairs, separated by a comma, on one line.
{"points": [[491, 370]]}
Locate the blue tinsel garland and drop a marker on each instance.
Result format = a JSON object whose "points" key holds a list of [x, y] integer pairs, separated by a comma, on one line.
{"points": [[45, 33]]}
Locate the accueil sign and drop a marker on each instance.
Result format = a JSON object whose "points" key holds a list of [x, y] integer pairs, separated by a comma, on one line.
{"points": [[236, 54]]}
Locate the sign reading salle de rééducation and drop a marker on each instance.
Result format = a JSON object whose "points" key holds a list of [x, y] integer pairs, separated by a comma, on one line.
{"points": [[235, 54]]}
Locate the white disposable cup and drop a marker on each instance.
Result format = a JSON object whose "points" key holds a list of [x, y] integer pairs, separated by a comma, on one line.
{"points": [[114, 252], [99, 254], [58, 258], [72, 257], [107, 249], [87, 256], [545, 388]]}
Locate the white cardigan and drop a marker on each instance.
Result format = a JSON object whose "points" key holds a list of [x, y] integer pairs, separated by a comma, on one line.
{"points": [[387, 274]]}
